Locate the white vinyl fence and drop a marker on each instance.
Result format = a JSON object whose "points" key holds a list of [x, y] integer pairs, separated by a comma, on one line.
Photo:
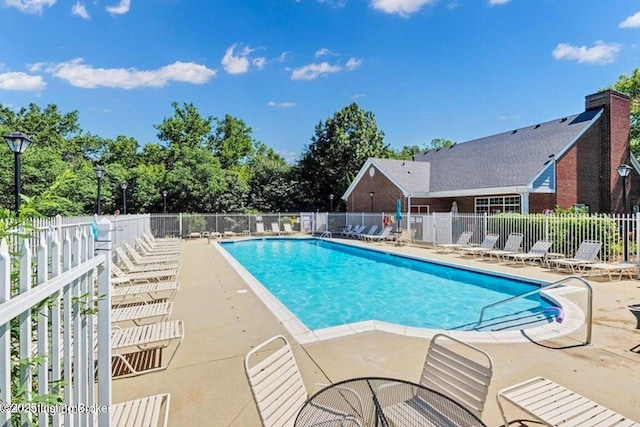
{"points": [[55, 320]]}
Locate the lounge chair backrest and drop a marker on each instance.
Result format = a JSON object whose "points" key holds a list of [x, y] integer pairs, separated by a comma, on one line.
{"points": [[124, 258], [386, 231], [464, 238], [260, 227], [117, 271], [463, 376], [287, 227], [275, 377], [513, 243], [541, 247], [360, 229], [275, 227], [372, 230], [588, 250], [490, 241]]}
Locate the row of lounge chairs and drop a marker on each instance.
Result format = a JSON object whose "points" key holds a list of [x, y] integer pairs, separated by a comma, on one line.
{"points": [[453, 368], [585, 261], [143, 339], [385, 235]]}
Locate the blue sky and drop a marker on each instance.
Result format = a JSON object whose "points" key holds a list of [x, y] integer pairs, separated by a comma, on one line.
{"points": [[455, 69]]}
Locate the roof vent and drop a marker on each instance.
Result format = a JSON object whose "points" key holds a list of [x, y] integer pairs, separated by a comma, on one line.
{"points": [[402, 163], [564, 119], [536, 126], [408, 171], [512, 132]]}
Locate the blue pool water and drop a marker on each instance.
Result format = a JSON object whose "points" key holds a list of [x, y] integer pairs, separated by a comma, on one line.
{"points": [[328, 284]]}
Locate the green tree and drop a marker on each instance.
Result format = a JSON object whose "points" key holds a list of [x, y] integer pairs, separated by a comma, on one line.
{"points": [[232, 142], [630, 85], [273, 187], [337, 151]]}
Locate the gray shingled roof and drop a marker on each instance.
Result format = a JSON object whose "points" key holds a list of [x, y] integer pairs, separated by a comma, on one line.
{"points": [[507, 159], [413, 177]]}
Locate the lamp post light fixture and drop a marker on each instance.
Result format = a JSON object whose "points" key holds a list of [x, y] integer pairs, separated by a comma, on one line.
{"points": [[164, 205], [624, 171], [371, 193], [330, 202], [18, 143], [99, 170], [124, 186]]}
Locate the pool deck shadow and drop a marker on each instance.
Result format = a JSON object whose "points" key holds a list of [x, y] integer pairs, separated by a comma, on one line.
{"points": [[224, 319]]}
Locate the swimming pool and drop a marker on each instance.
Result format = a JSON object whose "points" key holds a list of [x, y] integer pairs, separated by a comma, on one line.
{"points": [[326, 284]]}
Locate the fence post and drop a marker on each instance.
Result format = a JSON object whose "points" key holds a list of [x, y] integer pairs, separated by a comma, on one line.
{"points": [[180, 225], [5, 332], [104, 246]]}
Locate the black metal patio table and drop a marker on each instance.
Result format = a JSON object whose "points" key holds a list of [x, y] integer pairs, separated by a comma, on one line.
{"points": [[383, 402]]}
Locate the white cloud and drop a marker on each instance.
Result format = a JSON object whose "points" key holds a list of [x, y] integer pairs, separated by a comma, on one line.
{"points": [[281, 104], [400, 7], [494, 2], [80, 10], [259, 62], [601, 53], [236, 62], [322, 52], [508, 118], [632, 21], [30, 6], [313, 71], [85, 76], [21, 81], [119, 9], [357, 96], [352, 64], [334, 3]]}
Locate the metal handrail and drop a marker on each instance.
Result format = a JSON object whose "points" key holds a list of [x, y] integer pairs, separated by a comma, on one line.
{"points": [[544, 288]]}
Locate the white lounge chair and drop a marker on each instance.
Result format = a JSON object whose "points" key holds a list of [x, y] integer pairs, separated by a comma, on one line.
{"points": [[487, 245], [538, 252], [150, 411], [555, 405], [511, 246], [142, 314], [260, 229], [275, 228], [146, 293], [161, 243], [371, 231], [139, 349], [130, 267], [377, 237], [138, 258], [463, 241], [587, 253], [619, 268], [147, 250], [142, 276], [277, 386], [356, 230], [287, 228], [463, 375]]}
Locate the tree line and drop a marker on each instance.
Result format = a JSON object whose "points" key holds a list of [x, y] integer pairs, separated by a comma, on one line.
{"points": [[205, 164]]}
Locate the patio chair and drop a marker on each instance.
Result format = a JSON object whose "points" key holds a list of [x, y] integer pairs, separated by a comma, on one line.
{"points": [[161, 243], [487, 245], [278, 389], [356, 230], [555, 405], [139, 349], [587, 253], [377, 237], [142, 294], [462, 242], [619, 268], [463, 376], [511, 246], [142, 314], [405, 236], [287, 228], [371, 231], [143, 276], [538, 252], [138, 258], [275, 228], [147, 250], [260, 229], [131, 267], [149, 411]]}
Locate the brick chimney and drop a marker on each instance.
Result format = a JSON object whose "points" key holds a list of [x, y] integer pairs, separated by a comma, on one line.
{"points": [[614, 144]]}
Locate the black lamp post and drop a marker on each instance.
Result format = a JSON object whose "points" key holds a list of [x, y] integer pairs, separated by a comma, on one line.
{"points": [[331, 202], [164, 205], [124, 186], [624, 171], [18, 143], [99, 170], [371, 193]]}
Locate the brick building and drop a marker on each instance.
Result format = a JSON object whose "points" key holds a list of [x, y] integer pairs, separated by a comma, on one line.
{"points": [[565, 162]]}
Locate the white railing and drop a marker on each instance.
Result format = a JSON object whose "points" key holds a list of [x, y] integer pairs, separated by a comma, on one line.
{"points": [[56, 298]]}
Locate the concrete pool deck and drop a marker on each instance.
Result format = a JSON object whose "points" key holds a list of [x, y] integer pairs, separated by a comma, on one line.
{"points": [[208, 386]]}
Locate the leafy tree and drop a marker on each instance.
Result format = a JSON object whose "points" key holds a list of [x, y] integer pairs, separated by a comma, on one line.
{"points": [[232, 142], [337, 151], [630, 85], [273, 187]]}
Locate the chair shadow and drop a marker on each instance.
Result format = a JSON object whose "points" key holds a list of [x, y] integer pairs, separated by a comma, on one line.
{"points": [[635, 310]]}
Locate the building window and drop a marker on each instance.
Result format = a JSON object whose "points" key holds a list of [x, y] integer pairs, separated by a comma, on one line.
{"points": [[495, 205]]}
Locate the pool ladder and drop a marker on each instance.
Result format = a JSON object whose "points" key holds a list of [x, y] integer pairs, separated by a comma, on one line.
{"points": [[557, 284]]}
